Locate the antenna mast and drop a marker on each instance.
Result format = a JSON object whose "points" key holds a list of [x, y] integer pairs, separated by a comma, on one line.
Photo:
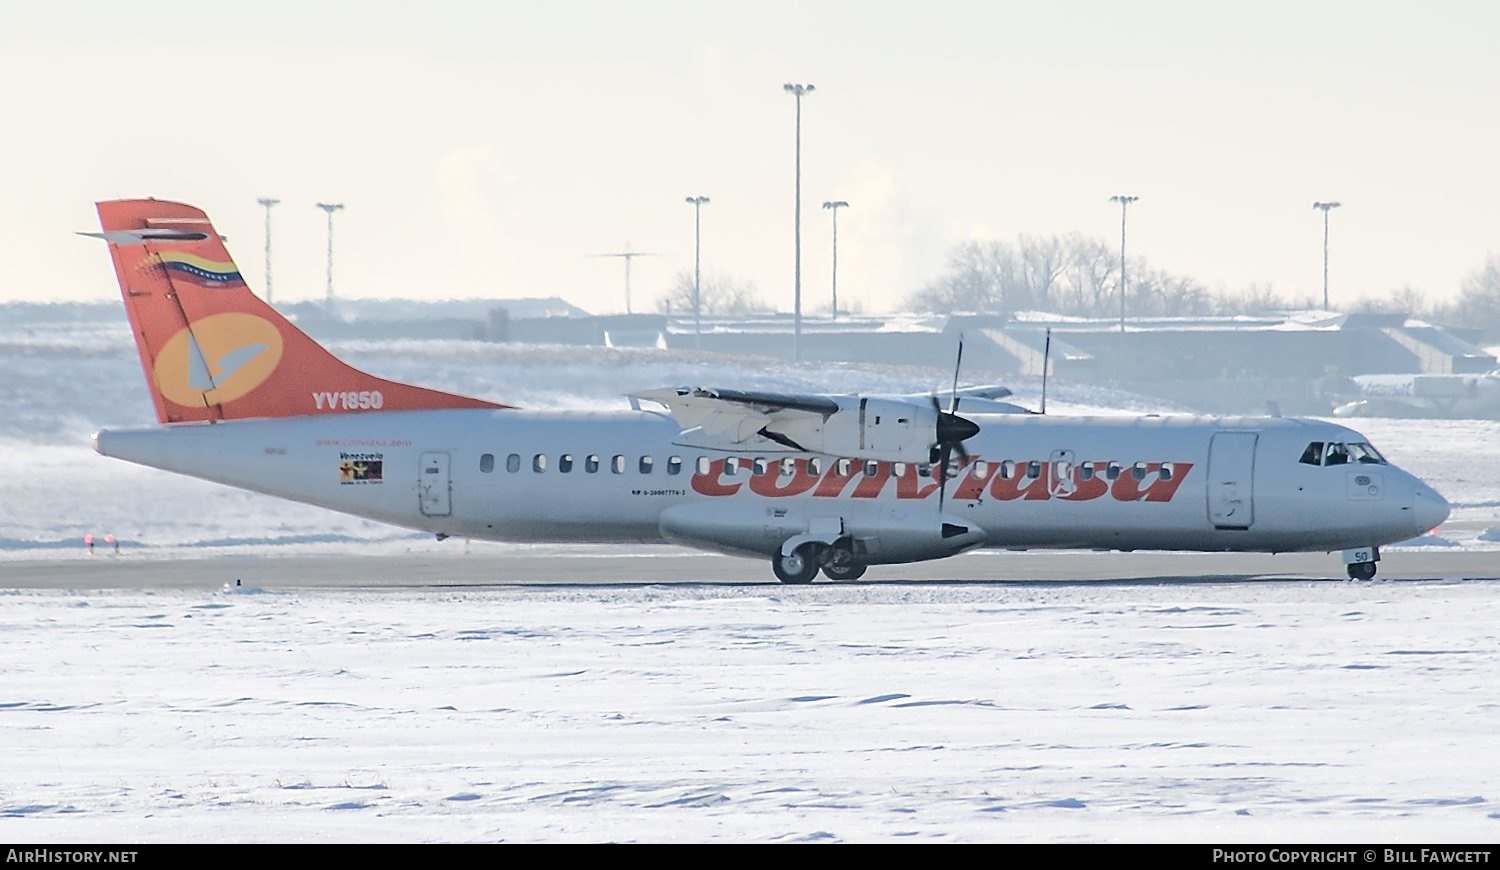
{"points": [[1046, 365], [627, 255]]}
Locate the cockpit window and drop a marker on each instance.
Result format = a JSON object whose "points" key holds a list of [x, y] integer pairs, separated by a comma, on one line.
{"points": [[1334, 453]]}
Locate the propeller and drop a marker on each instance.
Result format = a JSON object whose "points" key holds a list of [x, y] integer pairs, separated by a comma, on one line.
{"points": [[952, 431]]}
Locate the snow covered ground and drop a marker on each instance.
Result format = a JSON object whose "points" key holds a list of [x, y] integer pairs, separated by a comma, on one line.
{"points": [[1261, 712]]}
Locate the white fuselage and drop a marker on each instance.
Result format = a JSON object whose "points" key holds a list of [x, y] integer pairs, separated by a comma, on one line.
{"points": [[1172, 483]]}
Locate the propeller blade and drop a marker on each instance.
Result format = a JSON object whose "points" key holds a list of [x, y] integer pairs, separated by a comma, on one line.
{"points": [[942, 473]]}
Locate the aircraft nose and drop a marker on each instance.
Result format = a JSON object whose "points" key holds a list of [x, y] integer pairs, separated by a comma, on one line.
{"points": [[1428, 509]]}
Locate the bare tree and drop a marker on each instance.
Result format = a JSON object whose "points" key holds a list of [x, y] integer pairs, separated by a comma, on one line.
{"points": [[1406, 300], [1478, 304], [1043, 262], [719, 294]]}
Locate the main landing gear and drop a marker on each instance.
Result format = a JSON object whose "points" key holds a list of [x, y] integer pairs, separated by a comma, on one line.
{"points": [[1361, 570], [836, 561], [798, 568]]}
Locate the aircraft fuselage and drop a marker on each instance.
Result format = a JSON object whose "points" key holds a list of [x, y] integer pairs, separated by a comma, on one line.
{"points": [[1116, 483]]}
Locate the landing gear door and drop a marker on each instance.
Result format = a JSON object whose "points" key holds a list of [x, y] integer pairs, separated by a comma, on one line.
{"points": [[434, 485], [1231, 475]]}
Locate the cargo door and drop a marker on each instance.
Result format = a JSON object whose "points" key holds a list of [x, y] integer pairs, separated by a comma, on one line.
{"points": [[434, 485]]}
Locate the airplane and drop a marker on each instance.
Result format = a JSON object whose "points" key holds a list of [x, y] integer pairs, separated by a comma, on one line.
{"points": [[1421, 396], [811, 482]]}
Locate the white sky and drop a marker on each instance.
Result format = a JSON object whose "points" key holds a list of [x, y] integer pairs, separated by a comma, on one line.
{"points": [[491, 149]]}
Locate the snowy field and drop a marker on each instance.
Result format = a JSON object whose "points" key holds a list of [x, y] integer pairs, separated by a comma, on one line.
{"points": [[1269, 712], [1216, 713]]}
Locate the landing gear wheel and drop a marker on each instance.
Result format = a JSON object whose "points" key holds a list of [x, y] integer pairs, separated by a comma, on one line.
{"points": [[839, 564], [1361, 570], [799, 567], [851, 571]]}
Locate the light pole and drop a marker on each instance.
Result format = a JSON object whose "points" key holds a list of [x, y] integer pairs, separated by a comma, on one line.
{"points": [[1325, 207], [1124, 202], [797, 91], [267, 202], [834, 206], [697, 203], [330, 208]]}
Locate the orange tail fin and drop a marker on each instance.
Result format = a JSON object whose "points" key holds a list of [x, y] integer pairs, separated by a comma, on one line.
{"points": [[211, 349]]}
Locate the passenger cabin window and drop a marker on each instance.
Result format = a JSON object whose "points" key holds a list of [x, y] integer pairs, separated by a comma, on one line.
{"points": [[1033, 469], [1166, 471], [872, 468], [843, 467], [1008, 470], [981, 468], [565, 463], [1112, 471], [1313, 455], [674, 464], [617, 464], [487, 463], [814, 466], [647, 463], [788, 467], [513, 462], [591, 464], [1086, 471], [1138, 471], [539, 462], [704, 463], [759, 466]]}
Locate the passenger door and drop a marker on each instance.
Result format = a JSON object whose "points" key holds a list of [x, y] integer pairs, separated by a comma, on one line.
{"points": [[1231, 480]]}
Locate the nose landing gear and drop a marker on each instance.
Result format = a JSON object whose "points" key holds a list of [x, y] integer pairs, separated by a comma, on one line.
{"points": [[1360, 562]]}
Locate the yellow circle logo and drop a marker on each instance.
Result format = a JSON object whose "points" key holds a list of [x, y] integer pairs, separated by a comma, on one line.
{"points": [[218, 359]]}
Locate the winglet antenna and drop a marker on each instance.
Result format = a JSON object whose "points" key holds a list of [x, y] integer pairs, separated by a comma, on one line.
{"points": [[1046, 365]]}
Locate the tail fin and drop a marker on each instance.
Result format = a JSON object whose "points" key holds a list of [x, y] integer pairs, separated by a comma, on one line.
{"points": [[214, 351]]}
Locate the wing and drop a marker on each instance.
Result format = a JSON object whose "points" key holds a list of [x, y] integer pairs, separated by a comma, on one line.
{"points": [[728, 419], [897, 429]]}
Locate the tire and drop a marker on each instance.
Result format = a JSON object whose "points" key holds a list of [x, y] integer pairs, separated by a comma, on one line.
{"points": [[848, 571], [1362, 571], [798, 568]]}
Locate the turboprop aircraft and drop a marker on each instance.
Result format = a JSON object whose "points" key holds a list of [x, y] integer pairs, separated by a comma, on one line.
{"points": [[834, 483]]}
